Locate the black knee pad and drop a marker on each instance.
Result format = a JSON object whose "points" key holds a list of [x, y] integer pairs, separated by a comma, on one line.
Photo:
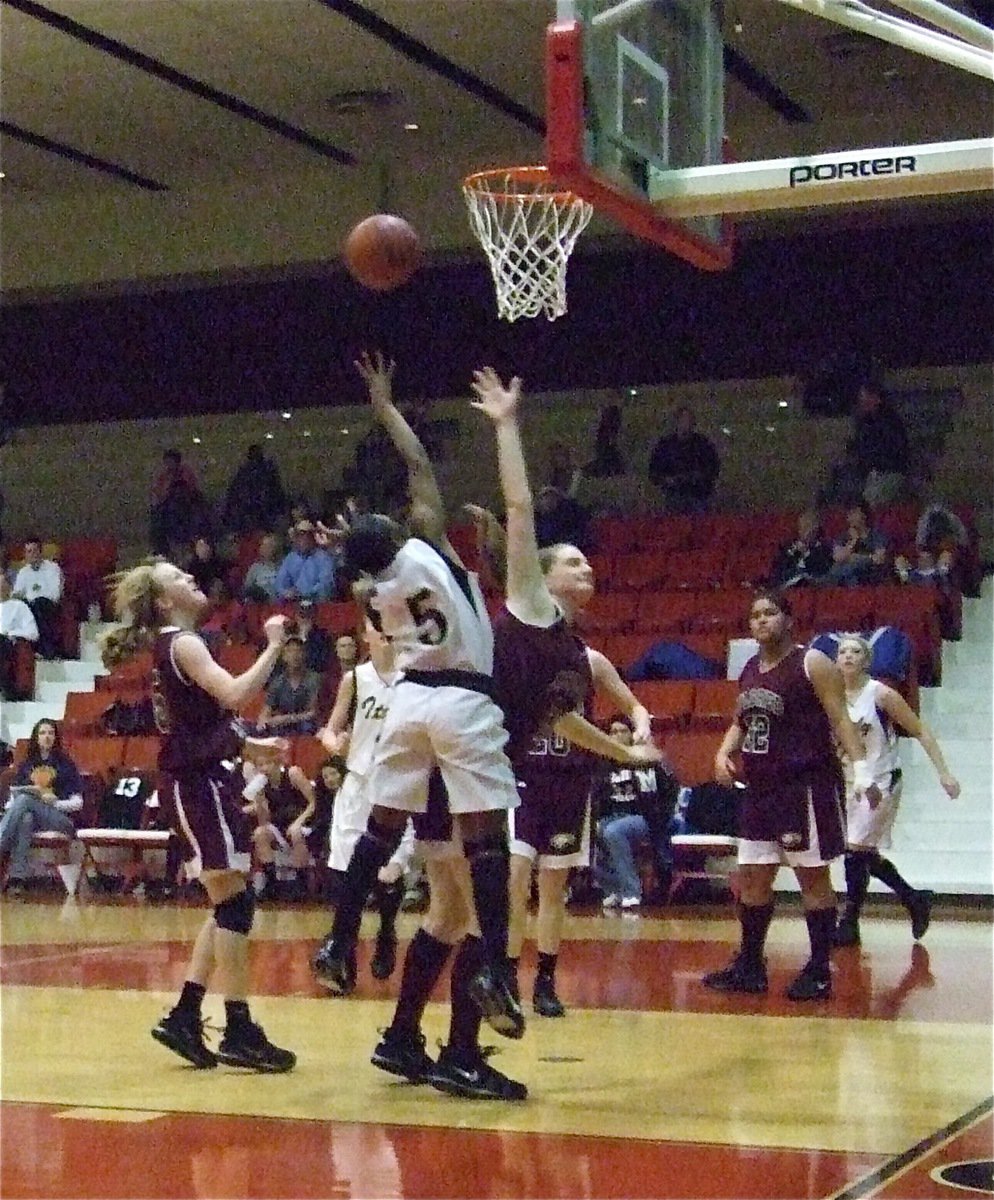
{"points": [[237, 913]]}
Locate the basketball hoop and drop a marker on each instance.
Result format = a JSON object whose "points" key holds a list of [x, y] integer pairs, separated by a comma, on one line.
{"points": [[528, 230]]}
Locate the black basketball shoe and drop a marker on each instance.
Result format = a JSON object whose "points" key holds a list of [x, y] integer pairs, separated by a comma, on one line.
{"points": [[335, 968], [184, 1035], [846, 931], [544, 999], [467, 1073], [384, 955], [739, 976], [495, 994], [247, 1046], [813, 983], [920, 908], [403, 1053]]}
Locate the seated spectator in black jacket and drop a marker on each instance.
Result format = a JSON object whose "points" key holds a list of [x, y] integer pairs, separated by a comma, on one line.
{"points": [[255, 498], [607, 461], [560, 519], [206, 565], [685, 466], [860, 554], [317, 641], [807, 559], [880, 446], [632, 805]]}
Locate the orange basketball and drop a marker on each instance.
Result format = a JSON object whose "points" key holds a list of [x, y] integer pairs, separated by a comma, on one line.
{"points": [[382, 252]]}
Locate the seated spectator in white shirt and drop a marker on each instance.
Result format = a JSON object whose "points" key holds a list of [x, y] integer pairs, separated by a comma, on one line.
{"points": [[39, 584], [16, 622], [259, 583]]}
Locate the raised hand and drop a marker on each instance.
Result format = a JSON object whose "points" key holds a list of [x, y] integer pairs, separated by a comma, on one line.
{"points": [[377, 373], [498, 402]]}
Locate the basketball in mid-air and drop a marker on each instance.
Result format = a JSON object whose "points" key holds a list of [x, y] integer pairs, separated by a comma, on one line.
{"points": [[382, 252]]}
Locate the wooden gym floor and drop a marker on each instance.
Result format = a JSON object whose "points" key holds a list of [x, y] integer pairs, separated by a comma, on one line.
{"points": [[650, 1087]]}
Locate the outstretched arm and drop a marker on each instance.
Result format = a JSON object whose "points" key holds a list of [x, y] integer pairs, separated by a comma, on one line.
{"points": [[427, 507], [491, 542], [528, 597], [896, 707]]}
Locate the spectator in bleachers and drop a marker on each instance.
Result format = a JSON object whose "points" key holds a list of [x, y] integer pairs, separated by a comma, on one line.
{"points": [[45, 790], [179, 508], [317, 642], [205, 565], [255, 498], [684, 465], [16, 623], [607, 461], [226, 623], [560, 519], [940, 536], [880, 446], [860, 554], [283, 809], [308, 570], [292, 695], [330, 778], [633, 806], [259, 584], [39, 584], [805, 560]]}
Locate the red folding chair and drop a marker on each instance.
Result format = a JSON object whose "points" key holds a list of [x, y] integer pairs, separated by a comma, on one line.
{"points": [[668, 700], [665, 613], [714, 703]]}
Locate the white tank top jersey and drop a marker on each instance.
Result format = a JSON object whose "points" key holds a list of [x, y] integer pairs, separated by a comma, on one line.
{"points": [[879, 734], [434, 621], [372, 699]]}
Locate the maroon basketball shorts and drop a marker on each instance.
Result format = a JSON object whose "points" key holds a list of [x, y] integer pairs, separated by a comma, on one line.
{"points": [[551, 825], [205, 811]]}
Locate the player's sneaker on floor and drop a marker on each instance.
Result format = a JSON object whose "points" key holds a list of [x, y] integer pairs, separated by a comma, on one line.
{"points": [[846, 931], [184, 1035], [384, 955], [920, 909], [813, 983], [335, 968], [248, 1046], [467, 1073], [544, 999], [739, 976], [403, 1053], [495, 994]]}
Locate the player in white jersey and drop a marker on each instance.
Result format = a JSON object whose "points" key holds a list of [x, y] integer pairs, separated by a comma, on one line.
{"points": [[353, 728], [876, 710], [442, 717]]}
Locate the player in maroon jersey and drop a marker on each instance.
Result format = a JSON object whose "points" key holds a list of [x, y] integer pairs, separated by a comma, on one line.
{"points": [[194, 699], [791, 703]]}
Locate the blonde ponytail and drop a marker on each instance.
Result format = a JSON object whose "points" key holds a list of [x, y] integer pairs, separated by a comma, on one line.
{"points": [[133, 594]]}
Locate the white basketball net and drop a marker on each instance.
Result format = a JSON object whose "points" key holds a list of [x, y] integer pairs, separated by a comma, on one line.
{"points": [[528, 231]]}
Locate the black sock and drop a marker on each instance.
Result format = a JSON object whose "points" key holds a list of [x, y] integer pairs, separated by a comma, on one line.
{"points": [[857, 866], [464, 1027], [821, 928], [191, 998], [236, 1014], [755, 921], [547, 966], [423, 964], [489, 865], [388, 898], [373, 851], [884, 870]]}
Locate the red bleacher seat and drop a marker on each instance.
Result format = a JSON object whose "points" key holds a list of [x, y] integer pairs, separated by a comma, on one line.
{"points": [[83, 713], [337, 616], [714, 703], [692, 755], [96, 755], [748, 566], [695, 569], [668, 700], [640, 572], [23, 672], [717, 612], [665, 613], [308, 754], [841, 609], [624, 649], [140, 754], [237, 658], [708, 645], [613, 535], [610, 612]]}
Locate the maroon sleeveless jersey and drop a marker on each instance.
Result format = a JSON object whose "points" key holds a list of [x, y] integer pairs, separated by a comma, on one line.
{"points": [[788, 737], [196, 730], [539, 674]]}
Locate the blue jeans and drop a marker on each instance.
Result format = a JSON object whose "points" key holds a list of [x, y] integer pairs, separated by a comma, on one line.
{"points": [[24, 816], [615, 870]]}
